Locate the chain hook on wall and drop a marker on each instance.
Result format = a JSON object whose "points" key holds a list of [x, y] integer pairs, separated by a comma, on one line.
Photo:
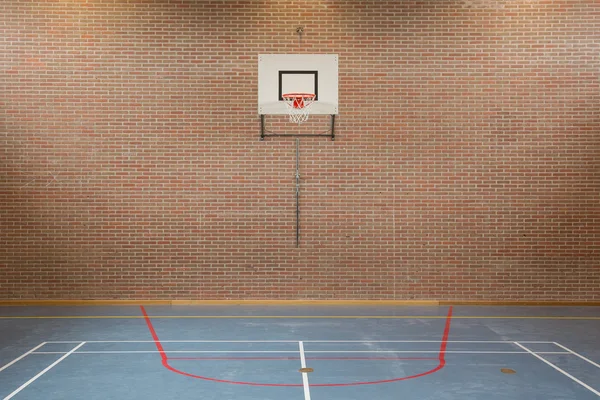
{"points": [[300, 32]]}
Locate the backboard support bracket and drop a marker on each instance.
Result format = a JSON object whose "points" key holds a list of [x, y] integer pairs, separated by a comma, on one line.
{"points": [[264, 133]]}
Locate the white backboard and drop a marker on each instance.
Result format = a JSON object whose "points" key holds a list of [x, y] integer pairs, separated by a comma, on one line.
{"points": [[297, 73]]}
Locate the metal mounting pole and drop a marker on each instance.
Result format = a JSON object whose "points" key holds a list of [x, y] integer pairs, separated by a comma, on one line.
{"points": [[297, 192], [332, 126]]}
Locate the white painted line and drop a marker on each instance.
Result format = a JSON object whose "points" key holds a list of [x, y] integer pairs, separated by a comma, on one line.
{"points": [[295, 341], [48, 368], [294, 351], [531, 341], [173, 351], [304, 374], [591, 389], [417, 351], [22, 356], [578, 355]]}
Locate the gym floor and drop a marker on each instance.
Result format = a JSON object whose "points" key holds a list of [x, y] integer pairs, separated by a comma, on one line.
{"points": [[299, 352]]}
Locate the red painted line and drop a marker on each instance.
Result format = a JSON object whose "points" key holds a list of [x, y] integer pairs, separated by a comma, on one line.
{"points": [[159, 346], [298, 358], [444, 344], [165, 363]]}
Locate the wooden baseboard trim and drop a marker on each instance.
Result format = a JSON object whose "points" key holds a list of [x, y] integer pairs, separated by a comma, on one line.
{"points": [[310, 302], [37, 302], [43, 303], [542, 303], [283, 303]]}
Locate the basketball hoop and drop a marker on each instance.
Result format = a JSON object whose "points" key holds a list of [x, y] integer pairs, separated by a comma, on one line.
{"points": [[298, 105]]}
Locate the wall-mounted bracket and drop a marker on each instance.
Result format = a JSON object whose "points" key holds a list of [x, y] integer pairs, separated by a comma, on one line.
{"points": [[264, 133]]}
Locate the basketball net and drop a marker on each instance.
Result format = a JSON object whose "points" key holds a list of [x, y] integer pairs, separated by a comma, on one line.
{"points": [[298, 106]]}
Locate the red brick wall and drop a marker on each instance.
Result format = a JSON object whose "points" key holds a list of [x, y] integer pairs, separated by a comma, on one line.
{"points": [[466, 164]]}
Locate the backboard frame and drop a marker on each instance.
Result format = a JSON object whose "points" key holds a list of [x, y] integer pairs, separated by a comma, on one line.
{"points": [[307, 73]]}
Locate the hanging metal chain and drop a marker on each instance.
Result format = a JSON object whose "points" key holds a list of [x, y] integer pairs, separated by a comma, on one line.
{"points": [[297, 192]]}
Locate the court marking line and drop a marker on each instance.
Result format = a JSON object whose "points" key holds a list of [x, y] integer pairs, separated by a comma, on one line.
{"points": [[48, 368], [295, 351], [164, 358], [155, 338], [23, 356], [591, 389], [578, 355], [304, 374], [304, 341], [445, 336], [307, 358], [567, 318]]}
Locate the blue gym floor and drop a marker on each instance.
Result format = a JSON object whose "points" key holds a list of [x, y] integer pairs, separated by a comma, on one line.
{"points": [[300, 352]]}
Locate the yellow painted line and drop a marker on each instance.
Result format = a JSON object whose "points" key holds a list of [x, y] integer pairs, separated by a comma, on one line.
{"points": [[580, 318]]}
